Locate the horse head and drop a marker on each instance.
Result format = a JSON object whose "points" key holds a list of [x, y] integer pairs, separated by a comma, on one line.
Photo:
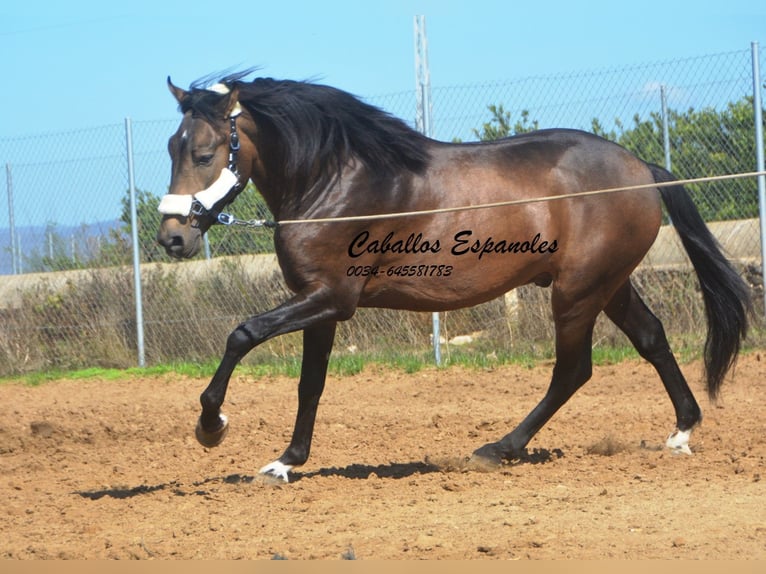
{"points": [[209, 166]]}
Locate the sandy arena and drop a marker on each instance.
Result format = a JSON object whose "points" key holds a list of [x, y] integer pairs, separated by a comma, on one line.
{"points": [[104, 469]]}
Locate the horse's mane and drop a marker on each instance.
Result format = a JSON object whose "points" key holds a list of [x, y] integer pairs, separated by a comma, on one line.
{"points": [[320, 127]]}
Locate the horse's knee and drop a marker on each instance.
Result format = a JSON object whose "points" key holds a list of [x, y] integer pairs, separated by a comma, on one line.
{"points": [[240, 340]]}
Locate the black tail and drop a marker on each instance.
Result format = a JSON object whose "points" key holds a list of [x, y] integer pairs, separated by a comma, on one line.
{"points": [[726, 295]]}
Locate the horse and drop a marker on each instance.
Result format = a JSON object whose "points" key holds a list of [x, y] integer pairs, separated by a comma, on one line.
{"points": [[370, 213]]}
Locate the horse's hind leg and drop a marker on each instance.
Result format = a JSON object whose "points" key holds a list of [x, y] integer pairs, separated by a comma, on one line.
{"points": [[629, 313], [317, 344], [574, 318]]}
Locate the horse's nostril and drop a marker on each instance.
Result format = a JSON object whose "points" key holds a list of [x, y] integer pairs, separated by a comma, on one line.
{"points": [[173, 243], [169, 239], [175, 246]]}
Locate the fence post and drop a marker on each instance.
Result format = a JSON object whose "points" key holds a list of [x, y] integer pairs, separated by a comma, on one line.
{"points": [[136, 246], [665, 126], [206, 243], [423, 122], [15, 251], [759, 160]]}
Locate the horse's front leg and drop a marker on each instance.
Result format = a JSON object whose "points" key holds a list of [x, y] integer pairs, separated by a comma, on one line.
{"points": [[299, 312], [213, 425], [317, 345]]}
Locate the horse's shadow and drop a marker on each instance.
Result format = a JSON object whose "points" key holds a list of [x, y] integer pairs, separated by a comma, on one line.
{"points": [[355, 471], [397, 470], [393, 470]]}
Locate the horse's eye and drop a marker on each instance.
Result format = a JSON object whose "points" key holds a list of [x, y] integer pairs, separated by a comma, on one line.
{"points": [[206, 159]]}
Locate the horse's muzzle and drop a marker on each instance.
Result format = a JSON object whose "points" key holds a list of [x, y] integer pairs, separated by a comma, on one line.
{"points": [[173, 244], [178, 244]]}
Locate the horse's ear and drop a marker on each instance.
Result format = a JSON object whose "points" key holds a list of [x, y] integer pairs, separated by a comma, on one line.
{"points": [[178, 93], [232, 105]]}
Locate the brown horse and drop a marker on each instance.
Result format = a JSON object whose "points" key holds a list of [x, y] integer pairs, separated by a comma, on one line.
{"points": [[317, 153]]}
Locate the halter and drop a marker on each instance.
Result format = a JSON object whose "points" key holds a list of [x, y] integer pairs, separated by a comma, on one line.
{"points": [[202, 202]]}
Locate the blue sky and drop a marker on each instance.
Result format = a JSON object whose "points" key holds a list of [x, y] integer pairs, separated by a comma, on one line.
{"points": [[84, 63]]}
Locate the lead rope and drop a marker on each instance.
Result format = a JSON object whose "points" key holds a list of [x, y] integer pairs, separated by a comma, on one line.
{"points": [[228, 219]]}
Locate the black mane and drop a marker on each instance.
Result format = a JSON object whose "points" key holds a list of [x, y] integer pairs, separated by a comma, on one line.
{"points": [[320, 127]]}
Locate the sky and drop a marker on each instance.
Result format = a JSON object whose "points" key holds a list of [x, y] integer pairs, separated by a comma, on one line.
{"points": [[84, 63]]}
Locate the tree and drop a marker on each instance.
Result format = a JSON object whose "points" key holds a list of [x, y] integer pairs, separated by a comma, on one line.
{"points": [[499, 126], [148, 218], [703, 143], [117, 249]]}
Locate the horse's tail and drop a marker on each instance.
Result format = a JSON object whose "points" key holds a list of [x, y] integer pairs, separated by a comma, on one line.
{"points": [[726, 296]]}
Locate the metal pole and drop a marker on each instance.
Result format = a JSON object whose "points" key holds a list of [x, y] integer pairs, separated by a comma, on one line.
{"points": [[423, 124], [206, 243], [136, 246], [422, 79], [665, 126], [11, 220], [759, 161]]}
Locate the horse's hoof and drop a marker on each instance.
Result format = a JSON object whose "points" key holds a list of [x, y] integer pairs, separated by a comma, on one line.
{"points": [[678, 442], [275, 473], [485, 459], [214, 438], [480, 464]]}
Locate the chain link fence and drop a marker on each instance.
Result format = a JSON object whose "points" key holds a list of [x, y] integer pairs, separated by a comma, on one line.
{"points": [[67, 297]]}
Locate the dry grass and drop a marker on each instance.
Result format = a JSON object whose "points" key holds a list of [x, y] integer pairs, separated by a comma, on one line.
{"points": [[90, 322]]}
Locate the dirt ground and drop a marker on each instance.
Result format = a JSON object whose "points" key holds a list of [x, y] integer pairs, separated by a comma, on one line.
{"points": [[105, 469]]}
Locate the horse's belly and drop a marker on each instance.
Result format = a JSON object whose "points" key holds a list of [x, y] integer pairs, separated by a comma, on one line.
{"points": [[445, 286]]}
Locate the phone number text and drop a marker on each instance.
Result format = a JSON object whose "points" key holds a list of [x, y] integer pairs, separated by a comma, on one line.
{"points": [[399, 271]]}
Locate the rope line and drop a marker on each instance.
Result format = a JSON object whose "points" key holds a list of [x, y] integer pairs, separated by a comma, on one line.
{"points": [[522, 201], [229, 219]]}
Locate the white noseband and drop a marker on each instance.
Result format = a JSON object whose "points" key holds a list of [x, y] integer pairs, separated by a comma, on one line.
{"points": [[174, 204]]}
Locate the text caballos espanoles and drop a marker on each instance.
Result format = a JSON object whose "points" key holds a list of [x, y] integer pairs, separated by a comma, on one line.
{"points": [[463, 243]]}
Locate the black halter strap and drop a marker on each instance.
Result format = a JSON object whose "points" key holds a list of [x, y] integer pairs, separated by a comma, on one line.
{"points": [[200, 210], [233, 148]]}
